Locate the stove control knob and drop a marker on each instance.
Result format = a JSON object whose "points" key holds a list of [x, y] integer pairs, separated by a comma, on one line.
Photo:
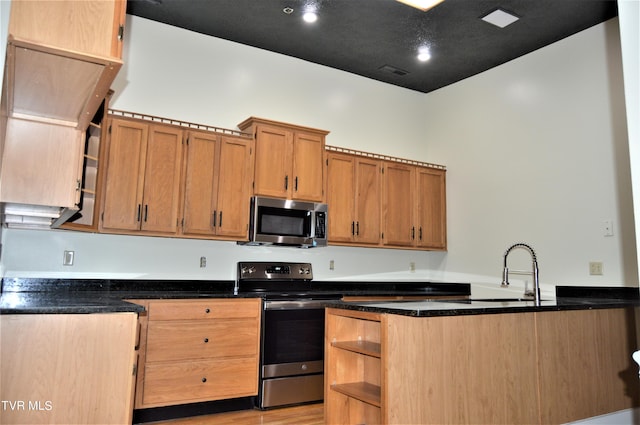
{"points": [[304, 270], [248, 270]]}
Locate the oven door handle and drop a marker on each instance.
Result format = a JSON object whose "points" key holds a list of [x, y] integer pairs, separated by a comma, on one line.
{"points": [[295, 304]]}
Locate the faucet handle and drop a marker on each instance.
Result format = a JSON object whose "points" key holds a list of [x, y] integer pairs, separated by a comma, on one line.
{"points": [[505, 277]]}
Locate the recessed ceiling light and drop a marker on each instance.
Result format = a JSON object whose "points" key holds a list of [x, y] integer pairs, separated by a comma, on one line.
{"points": [[500, 18], [424, 54], [423, 5], [310, 17]]}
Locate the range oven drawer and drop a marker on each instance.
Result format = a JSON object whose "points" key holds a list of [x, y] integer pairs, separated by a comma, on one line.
{"points": [[293, 390]]}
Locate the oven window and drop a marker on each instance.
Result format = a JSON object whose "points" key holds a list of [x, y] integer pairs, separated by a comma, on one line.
{"points": [[283, 222], [293, 336]]}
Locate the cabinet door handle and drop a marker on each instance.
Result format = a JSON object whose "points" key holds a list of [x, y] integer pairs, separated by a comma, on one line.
{"points": [[413, 233], [139, 211], [286, 182], [357, 228], [220, 221], [353, 228], [146, 211], [420, 233], [296, 184], [213, 218]]}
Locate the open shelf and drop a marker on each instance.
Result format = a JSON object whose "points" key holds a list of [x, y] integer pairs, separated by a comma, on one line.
{"points": [[361, 347], [363, 391]]}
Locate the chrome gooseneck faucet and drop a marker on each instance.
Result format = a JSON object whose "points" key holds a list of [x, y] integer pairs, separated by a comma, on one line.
{"points": [[535, 294]]}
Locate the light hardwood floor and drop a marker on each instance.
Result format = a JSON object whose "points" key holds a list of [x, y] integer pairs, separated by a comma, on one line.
{"points": [[309, 414]]}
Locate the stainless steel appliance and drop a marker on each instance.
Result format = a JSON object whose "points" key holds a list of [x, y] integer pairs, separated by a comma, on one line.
{"points": [[292, 340], [286, 222]]}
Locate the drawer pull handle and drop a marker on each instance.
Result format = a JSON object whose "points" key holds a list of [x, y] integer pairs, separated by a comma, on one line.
{"points": [[206, 340], [204, 379], [206, 310]]}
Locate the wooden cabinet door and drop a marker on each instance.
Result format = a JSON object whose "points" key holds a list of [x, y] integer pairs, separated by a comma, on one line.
{"points": [[125, 175], [431, 217], [368, 200], [201, 184], [274, 151], [41, 164], [234, 191], [398, 204], [90, 26], [308, 151], [162, 180], [340, 196]]}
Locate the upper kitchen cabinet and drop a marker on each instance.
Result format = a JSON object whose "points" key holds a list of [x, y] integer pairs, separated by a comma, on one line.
{"points": [[62, 57], [353, 195], [399, 203], [217, 190], [431, 219], [414, 206], [288, 160], [142, 182]]}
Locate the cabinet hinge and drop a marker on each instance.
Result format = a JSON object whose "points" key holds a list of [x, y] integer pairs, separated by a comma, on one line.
{"points": [[78, 185], [120, 32]]}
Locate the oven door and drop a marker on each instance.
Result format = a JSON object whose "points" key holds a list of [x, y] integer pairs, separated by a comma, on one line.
{"points": [[293, 338]]}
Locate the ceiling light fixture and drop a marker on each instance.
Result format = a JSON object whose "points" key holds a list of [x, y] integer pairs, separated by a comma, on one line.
{"points": [[500, 18], [310, 17], [423, 5], [424, 54]]}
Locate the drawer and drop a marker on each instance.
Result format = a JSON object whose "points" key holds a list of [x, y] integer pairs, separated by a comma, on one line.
{"points": [[192, 381], [204, 309], [198, 339]]}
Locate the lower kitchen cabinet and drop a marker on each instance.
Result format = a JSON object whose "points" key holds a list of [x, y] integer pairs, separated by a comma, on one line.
{"points": [[198, 350], [516, 368], [68, 368]]}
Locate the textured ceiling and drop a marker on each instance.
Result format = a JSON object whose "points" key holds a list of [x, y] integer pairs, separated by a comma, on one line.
{"points": [[379, 39]]}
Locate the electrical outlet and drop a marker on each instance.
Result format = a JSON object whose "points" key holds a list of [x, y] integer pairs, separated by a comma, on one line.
{"points": [[203, 261], [595, 268], [608, 227], [332, 265], [412, 267], [67, 259]]}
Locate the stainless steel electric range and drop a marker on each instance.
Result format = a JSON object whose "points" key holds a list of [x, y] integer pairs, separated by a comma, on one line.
{"points": [[292, 339]]}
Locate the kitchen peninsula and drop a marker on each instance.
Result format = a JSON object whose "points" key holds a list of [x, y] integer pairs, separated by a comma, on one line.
{"points": [[485, 361]]}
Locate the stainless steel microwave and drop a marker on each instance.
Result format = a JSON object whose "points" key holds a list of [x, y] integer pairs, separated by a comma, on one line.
{"points": [[287, 222]]}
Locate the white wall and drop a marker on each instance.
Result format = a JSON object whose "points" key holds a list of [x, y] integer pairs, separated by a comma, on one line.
{"points": [[535, 150]]}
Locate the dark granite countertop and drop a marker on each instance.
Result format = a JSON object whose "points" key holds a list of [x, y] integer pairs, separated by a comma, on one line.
{"points": [[82, 296], [567, 298]]}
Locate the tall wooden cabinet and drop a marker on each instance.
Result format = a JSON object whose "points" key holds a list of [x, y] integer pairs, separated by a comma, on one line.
{"points": [[61, 59], [217, 190], [289, 159], [68, 368], [354, 196], [142, 184]]}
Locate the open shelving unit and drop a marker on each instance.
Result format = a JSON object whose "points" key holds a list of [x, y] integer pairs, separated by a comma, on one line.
{"points": [[353, 368]]}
